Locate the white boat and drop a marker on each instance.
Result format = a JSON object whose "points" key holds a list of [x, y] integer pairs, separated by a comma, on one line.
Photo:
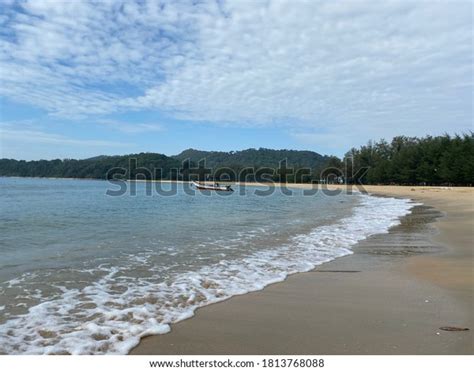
{"points": [[213, 187]]}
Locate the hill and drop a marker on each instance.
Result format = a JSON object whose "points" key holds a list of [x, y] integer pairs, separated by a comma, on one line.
{"points": [[99, 167], [159, 166], [441, 160], [256, 158]]}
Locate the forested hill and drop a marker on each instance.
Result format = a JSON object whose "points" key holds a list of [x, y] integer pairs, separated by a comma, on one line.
{"points": [[93, 168], [442, 160], [99, 167], [256, 158]]}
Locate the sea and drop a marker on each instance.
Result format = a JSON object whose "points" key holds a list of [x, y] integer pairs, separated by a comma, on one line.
{"points": [[84, 270]]}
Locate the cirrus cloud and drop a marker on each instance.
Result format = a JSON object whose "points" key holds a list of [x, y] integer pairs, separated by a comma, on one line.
{"points": [[309, 64]]}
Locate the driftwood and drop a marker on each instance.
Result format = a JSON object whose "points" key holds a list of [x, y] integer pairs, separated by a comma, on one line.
{"points": [[451, 328]]}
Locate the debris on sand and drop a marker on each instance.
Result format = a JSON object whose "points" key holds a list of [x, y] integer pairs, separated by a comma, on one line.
{"points": [[452, 328]]}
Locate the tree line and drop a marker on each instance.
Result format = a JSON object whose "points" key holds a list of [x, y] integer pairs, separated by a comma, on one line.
{"points": [[248, 165], [440, 160]]}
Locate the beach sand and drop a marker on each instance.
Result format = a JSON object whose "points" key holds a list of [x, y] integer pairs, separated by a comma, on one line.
{"points": [[390, 297]]}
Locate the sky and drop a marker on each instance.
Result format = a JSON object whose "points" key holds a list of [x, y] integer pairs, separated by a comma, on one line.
{"points": [[85, 78]]}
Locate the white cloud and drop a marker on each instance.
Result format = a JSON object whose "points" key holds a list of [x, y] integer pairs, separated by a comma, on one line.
{"points": [[9, 133], [355, 66], [132, 128], [26, 141]]}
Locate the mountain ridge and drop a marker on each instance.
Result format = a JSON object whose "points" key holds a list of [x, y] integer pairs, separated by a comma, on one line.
{"points": [[105, 167]]}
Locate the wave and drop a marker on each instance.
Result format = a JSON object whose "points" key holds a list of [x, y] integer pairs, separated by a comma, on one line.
{"points": [[110, 315]]}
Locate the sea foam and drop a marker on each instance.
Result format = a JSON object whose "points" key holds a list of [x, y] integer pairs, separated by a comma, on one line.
{"points": [[113, 313]]}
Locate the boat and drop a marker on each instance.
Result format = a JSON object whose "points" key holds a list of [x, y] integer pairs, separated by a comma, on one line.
{"points": [[213, 187]]}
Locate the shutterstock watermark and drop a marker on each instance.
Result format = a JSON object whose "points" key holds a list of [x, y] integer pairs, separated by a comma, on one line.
{"points": [[193, 179]]}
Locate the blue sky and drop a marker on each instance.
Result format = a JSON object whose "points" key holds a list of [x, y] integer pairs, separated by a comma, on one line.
{"points": [[83, 78]]}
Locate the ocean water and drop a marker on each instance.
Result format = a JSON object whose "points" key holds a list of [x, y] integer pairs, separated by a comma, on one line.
{"points": [[82, 272]]}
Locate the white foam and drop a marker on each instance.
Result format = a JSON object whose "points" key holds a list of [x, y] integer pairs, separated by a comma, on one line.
{"points": [[100, 319]]}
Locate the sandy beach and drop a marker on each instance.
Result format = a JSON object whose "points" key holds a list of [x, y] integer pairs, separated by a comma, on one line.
{"points": [[391, 296]]}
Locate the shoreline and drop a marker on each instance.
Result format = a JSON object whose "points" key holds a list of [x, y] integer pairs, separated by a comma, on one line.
{"points": [[254, 184], [262, 322]]}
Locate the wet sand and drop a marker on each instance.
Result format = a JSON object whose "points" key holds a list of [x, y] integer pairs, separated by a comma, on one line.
{"points": [[390, 297]]}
